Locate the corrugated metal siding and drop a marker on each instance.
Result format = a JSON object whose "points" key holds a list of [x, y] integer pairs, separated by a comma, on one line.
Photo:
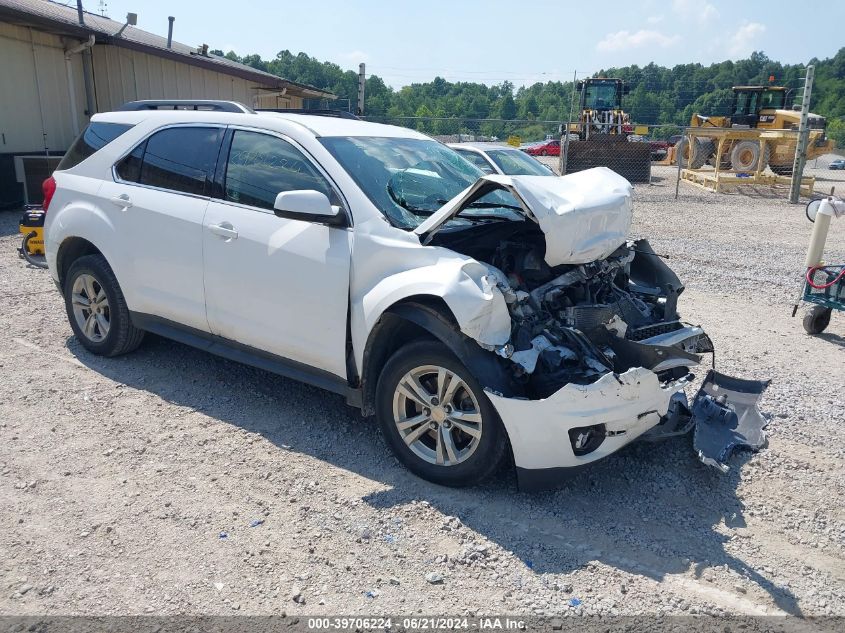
{"points": [[277, 100], [35, 103], [123, 75], [34, 89]]}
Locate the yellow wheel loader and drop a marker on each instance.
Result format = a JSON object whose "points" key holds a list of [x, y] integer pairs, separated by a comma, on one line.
{"points": [[605, 134], [753, 108]]}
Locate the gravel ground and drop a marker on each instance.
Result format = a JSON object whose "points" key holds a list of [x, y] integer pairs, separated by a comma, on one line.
{"points": [[171, 481]]}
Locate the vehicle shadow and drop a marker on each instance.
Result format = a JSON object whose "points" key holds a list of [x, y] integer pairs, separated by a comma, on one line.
{"points": [[651, 509], [835, 339]]}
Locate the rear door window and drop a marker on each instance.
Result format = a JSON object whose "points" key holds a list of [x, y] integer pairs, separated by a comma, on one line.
{"points": [[94, 137], [179, 159]]}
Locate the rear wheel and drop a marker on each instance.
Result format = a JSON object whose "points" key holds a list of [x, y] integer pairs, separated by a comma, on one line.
{"points": [[693, 156], [817, 319], [96, 308], [435, 417]]}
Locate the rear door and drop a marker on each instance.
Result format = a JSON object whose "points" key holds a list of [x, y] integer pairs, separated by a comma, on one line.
{"points": [[158, 199], [277, 284]]}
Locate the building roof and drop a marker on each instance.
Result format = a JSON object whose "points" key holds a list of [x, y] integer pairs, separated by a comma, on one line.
{"points": [[64, 20]]}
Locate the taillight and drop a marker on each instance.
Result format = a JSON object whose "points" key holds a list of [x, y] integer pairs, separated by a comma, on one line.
{"points": [[48, 187]]}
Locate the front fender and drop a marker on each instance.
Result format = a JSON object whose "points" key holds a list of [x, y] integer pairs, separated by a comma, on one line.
{"points": [[466, 286], [390, 332]]}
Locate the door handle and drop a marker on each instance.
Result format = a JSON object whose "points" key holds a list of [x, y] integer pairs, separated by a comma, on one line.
{"points": [[123, 200], [224, 229]]}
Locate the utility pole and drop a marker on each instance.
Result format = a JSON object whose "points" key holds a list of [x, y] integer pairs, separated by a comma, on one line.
{"points": [[362, 79], [564, 140], [803, 138]]}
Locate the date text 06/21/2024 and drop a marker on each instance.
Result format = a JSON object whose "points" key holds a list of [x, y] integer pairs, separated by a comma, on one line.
{"points": [[420, 623]]}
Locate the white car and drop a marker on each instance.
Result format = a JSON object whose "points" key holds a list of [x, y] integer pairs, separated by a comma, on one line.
{"points": [[492, 158], [478, 317]]}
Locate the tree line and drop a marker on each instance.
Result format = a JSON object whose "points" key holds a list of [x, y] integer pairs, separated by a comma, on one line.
{"points": [[661, 97]]}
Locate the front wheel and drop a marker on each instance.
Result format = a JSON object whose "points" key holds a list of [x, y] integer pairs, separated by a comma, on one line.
{"points": [[435, 417], [747, 157]]}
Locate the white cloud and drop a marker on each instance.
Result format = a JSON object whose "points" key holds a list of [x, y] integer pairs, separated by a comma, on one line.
{"points": [[742, 42], [700, 11], [624, 40], [654, 19]]}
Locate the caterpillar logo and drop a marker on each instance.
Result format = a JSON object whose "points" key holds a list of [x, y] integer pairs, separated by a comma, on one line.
{"points": [[767, 118]]}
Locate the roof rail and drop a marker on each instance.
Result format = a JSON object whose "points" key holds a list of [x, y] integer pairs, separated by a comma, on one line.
{"points": [[340, 114], [186, 104]]}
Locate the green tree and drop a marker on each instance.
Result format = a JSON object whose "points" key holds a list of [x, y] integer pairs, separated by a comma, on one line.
{"points": [[658, 95]]}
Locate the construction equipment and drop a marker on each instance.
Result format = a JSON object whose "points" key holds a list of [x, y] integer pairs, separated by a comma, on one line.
{"points": [[756, 108], [32, 229], [604, 130]]}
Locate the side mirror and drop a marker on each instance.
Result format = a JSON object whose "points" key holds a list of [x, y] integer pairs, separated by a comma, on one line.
{"points": [[307, 205]]}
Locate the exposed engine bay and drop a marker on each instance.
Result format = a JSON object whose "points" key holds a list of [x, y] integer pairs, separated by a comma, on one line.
{"points": [[574, 324]]}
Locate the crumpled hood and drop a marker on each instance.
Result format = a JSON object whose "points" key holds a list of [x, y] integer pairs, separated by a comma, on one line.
{"points": [[585, 216]]}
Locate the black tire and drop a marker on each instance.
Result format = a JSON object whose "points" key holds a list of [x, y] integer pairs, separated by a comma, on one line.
{"points": [[693, 156], [816, 319], [490, 450], [746, 156], [122, 335], [781, 170]]}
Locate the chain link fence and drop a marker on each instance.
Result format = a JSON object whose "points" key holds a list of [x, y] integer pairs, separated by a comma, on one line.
{"points": [[643, 154], [682, 160]]}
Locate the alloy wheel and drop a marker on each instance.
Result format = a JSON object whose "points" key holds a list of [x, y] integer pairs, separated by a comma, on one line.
{"points": [[437, 415], [90, 307]]}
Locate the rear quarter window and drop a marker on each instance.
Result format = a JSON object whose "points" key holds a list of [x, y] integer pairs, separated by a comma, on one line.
{"points": [[96, 136]]}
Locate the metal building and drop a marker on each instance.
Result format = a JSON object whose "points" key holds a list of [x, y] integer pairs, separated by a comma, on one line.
{"points": [[59, 65]]}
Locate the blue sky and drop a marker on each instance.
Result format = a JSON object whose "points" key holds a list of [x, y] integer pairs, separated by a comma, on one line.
{"points": [[523, 42]]}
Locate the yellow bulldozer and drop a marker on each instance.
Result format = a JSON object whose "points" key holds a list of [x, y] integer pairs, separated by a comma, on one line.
{"points": [[753, 108]]}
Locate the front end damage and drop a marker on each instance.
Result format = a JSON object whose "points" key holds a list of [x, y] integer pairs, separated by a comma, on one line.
{"points": [[597, 349]]}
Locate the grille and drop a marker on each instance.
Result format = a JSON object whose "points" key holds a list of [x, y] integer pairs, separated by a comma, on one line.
{"points": [[586, 318], [640, 334]]}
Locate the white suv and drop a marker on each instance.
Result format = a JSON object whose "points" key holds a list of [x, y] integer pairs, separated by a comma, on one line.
{"points": [[478, 317]]}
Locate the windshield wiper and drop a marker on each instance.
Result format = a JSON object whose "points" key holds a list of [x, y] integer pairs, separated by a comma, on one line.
{"points": [[493, 205]]}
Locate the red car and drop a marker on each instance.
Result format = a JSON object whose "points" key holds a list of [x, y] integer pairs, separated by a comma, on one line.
{"points": [[546, 148]]}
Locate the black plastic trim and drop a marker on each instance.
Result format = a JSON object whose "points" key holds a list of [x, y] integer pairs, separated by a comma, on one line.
{"points": [[336, 221], [247, 355], [538, 479], [484, 365]]}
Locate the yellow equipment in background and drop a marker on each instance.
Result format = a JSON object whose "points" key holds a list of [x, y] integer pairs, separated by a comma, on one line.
{"points": [[604, 130], [32, 229], [761, 108]]}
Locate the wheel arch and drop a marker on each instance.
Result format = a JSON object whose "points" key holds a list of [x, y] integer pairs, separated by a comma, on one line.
{"points": [[425, 317], [71, 249]]}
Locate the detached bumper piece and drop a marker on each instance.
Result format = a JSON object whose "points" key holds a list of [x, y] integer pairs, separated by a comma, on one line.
{"points": [[726, 417]]}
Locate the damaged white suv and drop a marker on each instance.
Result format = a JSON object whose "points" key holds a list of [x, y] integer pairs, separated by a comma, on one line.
{"points": [[478, 317]]}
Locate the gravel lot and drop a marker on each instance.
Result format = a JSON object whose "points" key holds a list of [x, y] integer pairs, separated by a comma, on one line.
{"points": [[170, 481]]}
